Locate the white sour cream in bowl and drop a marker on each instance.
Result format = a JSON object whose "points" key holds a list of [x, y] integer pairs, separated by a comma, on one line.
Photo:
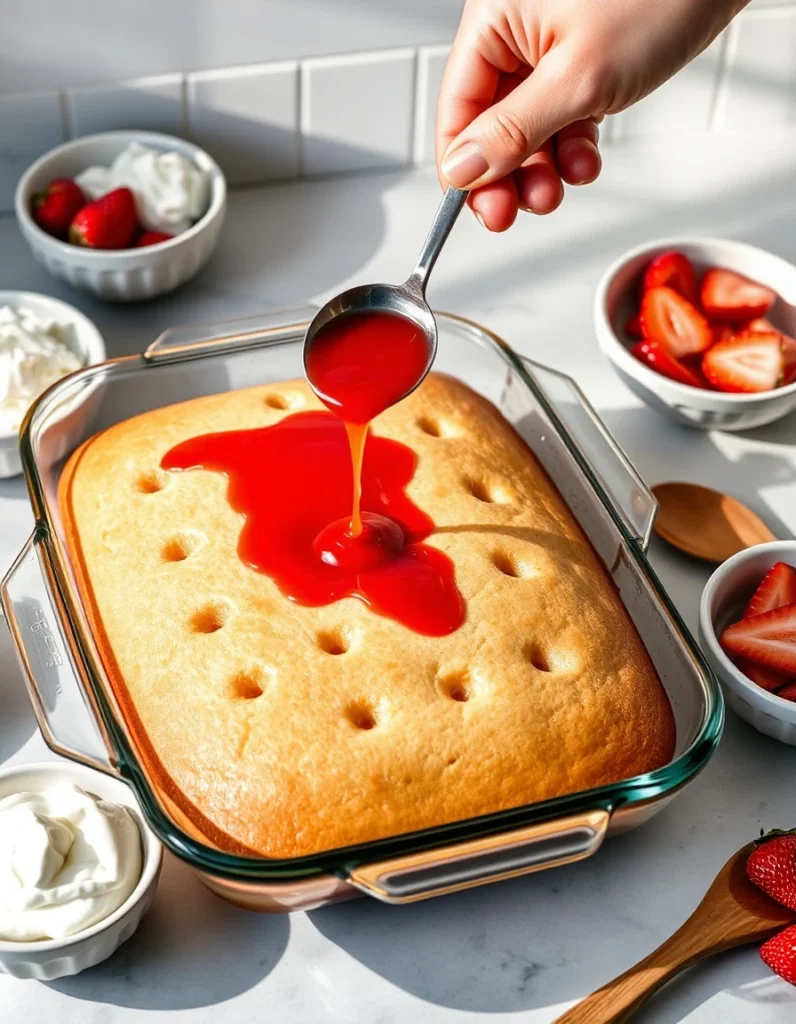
{"points": [[67, 861]]}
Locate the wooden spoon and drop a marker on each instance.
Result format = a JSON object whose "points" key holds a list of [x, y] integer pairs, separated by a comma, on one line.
{"points": [[732, 913], [706, 523]]}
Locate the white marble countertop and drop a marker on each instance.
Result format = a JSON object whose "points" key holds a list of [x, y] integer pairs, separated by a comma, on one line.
{"points": [[526, 949]]}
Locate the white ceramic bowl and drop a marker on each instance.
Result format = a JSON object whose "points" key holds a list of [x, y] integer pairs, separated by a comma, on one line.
{"points": [[723, 600], [84, 340], [695, 407], [123, 275], [56, 958]]}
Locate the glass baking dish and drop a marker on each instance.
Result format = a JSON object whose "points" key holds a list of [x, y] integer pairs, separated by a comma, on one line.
{"points": [[78, 713]]}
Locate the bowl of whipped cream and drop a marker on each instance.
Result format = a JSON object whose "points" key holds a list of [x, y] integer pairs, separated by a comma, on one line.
{"points": [[79, 868], [179, 191], [41, 340]]}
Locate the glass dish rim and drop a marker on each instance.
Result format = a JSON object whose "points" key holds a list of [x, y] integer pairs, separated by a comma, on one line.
{"points": [[647, 787]]}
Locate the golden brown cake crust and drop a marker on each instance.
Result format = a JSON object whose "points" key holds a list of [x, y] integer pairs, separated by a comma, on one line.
{"points": [[248, 721]]}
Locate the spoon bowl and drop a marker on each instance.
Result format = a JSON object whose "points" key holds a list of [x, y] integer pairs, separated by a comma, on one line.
{"points": [[407, 300], [706, 524]]}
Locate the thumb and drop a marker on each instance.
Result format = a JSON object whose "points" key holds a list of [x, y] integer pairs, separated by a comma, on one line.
{"points": [[502, 138]]}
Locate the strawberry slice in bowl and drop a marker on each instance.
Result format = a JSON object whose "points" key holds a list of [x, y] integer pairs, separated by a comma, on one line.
{"points": [[768, 640], [746, 363], [674, 322], [657, 357], [726, 295], [777, 589], [754, 655], [673, 270]]}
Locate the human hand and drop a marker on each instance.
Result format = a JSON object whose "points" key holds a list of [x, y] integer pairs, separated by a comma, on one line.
{"points": [[528, 81]]}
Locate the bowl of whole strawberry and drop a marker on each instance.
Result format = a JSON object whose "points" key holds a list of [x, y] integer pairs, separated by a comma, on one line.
{"points": [[702, 330], [747, 629], [125, 215]]}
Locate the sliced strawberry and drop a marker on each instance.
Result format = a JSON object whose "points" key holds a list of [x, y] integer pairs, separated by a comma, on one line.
{"points": [[765, 678], [633, 327], [760, 326], [788, 359], [722, 331], [746, 363], [763, 326], [779, 953], [768, 640], [673, 321], [673, 270], [729, 296], [656, 357], [777, 589], [788, 692]]}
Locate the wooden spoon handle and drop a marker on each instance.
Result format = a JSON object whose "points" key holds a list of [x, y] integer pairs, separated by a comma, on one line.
{"points": [[619, 999]]}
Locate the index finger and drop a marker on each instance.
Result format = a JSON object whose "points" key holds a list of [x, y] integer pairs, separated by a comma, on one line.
{"points": [[468, 89]]}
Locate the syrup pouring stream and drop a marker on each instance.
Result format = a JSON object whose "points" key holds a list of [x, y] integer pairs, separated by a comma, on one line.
{"points": [[372, 345]]}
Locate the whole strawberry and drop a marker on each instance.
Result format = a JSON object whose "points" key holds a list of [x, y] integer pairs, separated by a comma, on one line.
{"points": [[771, 866], [55, 207], [110, 222], [779, 954]]}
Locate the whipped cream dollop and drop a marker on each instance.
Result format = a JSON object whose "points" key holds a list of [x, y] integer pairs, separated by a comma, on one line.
{"points": [[171, 191], [67, 860], [33, 355]]}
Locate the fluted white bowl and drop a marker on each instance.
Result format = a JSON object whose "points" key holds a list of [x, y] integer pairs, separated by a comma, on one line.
{"points": [[49, 959], [121, 275]]}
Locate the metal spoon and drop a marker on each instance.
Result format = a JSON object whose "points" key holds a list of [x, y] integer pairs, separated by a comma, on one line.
{"points": [[705, 523], [408, 299]]}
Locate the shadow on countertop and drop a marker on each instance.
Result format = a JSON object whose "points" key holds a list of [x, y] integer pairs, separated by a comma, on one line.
{"points": [[662, 450], [17, 722], [553, 937], [192, 949]]}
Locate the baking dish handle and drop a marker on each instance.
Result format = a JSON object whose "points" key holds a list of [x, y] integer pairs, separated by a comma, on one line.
{"points": [[63, 709], [420, 876], [607, 462], [183, 342]]}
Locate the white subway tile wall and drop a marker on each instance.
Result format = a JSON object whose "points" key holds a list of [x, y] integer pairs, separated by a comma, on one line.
{"points": [[372, 110], [683, 104], [152, 104], [761, 89], [30, 124], [357, 111], [430, 65], [248, 119]]}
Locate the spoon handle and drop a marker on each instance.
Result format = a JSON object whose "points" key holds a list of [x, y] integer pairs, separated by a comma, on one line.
{"points": [[449, 209]]}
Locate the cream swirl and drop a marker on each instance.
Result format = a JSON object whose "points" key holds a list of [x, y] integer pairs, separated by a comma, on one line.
{"points": [[67, 860]]}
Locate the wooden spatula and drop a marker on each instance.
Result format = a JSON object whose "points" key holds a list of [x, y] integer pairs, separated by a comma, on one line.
{"points": [[732, 913]]}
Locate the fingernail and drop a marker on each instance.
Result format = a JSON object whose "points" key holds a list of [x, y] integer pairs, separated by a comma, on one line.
{"points": [[479, 218], [464, 165]]}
